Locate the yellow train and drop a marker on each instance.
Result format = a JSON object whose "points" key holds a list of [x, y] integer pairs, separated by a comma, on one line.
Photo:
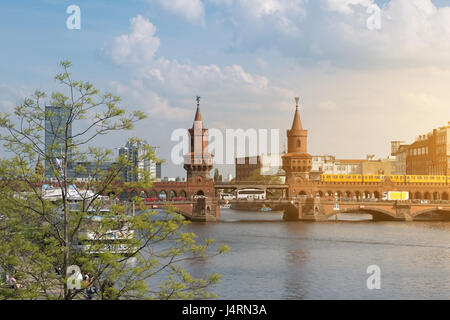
{"points": [[379, 178]]}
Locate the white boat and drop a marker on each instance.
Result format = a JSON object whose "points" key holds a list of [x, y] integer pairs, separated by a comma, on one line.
{"points": [[112, 241]]}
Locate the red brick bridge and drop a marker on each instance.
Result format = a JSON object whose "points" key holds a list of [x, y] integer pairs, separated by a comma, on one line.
{"points": [[316, 209]]}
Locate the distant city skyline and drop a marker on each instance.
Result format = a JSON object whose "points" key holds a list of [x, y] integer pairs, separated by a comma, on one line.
{"points": [[359, 88]]}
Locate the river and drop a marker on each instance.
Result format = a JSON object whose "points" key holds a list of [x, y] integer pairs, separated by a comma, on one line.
{"points": [[273, 259]]}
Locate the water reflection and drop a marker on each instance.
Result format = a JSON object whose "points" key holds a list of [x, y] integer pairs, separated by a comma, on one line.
{"points": [[273, 259], [295, 282]]}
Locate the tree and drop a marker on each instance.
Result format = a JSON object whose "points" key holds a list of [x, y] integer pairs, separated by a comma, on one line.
{"points": [[42, 235], [256, 176], [217, 176]]}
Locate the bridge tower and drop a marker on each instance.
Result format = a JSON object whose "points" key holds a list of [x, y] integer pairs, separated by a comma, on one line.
{"points": [[297, 162], [198, 162]]}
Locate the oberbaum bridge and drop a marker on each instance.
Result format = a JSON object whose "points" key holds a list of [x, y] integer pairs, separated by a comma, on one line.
{"points": [[300, 198]]}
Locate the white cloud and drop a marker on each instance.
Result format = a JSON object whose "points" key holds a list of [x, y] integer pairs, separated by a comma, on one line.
{"points": [[221, 2], [150, 102], [137, 46], [281, 15], [7, 105], [155, 78], [262, 63], [346, 6], [12, 96], [192, 10], [412, 31]]}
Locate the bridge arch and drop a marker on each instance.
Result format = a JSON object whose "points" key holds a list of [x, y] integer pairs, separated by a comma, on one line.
{"points": [[133, 193], [436, 196], [444, 196], [376, 213], [111, 194], [124, 196], [200, 193], [302, 193], [432, 213], [427, 195], [417, 195], [153, 194], [172, 194], [143, 194], [162, 195], [183, 194]]}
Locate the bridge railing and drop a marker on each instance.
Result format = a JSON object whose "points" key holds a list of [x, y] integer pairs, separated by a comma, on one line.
{"points": [[332, 199], [251, 183]]}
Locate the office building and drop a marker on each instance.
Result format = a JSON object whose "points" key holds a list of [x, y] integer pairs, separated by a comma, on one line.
{"points": [[56, 133], [135, 152]]}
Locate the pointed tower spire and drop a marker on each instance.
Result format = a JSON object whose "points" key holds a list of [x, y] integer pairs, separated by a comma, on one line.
{"points": [[198, 115], [198, 162], [297, 163], [296, 124]]}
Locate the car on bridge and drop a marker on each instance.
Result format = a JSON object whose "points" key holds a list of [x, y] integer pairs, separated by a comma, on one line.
{"points": [[152, 199]]}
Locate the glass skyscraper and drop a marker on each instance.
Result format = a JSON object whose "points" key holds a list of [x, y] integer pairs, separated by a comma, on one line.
{"points": [[57, 129]]}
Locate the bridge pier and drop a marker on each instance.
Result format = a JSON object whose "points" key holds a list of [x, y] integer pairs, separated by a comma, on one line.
{"points": [[292, 211], [309, 209], [403, 212], [201, 210]]}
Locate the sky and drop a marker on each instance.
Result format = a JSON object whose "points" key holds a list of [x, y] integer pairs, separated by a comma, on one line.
{"points": [[359, 87]]}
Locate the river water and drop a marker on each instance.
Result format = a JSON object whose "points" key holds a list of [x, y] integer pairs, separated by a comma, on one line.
{"points": [[273, 259]]}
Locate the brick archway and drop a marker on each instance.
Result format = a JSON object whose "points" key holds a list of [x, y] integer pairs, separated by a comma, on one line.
{"points": [[162, 195], [437, 213], [172, 194]]}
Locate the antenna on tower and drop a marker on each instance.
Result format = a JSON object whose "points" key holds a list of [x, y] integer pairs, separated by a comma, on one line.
{"points": [[296, 101], [198, 101]]}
